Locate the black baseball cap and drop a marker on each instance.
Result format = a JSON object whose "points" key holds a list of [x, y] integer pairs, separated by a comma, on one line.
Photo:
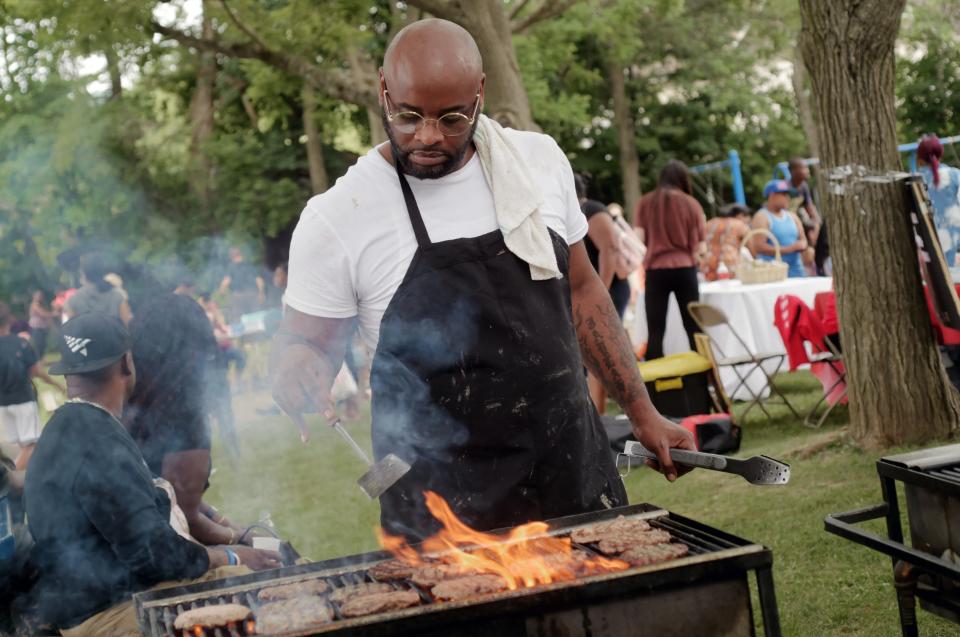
{"points": [[90, 342]]}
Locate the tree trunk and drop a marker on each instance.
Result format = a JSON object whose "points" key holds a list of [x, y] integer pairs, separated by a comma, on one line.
{"points": [[626, 138], [319, 181], [897, 386], [488, 22], [113, 69], [377, 134], [201, 114], [801, 93]]}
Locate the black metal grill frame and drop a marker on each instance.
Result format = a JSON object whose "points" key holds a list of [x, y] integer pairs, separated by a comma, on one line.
{"points": [[714, 555], [908, 562]]}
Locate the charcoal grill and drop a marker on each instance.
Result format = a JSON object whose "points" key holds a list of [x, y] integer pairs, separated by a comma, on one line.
{"points": [[705, 593], [928, 570]]}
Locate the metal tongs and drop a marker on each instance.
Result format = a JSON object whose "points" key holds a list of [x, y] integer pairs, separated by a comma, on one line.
{"points": [[761, 470]]}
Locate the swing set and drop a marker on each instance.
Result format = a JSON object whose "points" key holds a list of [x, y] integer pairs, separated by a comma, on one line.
{"points": [[708, 180]]}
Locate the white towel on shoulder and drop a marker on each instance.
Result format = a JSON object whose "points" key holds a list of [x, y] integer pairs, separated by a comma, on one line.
{"points": [[516, 199]]}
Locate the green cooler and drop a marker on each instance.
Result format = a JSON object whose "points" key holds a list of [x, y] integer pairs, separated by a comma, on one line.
{"points": [[679, 384]]}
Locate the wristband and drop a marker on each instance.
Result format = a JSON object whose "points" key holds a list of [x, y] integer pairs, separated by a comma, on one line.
{"points": [[232, 558]]}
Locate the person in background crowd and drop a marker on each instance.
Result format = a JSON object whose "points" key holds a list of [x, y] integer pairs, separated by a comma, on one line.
{"points": [[776, 217], [243, 285], [19, 413], [801, 197], [101, 527], [672, 225], [167, 413], [116, 281], [278, 286], [41, 320], [943, 186], [802, 205], [723, 237], [601, 243], [96, 294], [186, 287]]}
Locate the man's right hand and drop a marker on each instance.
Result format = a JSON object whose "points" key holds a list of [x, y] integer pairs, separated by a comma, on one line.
{"points": [[302, 378]]}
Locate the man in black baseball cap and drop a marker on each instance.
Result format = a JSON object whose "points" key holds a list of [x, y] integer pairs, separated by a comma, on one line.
{"points": [[101, 527]]}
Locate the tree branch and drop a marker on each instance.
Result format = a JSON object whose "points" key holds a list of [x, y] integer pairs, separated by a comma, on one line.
{"points": [[335, 82], [250, 33], [517, 9], [549, 9], [439, 8]]}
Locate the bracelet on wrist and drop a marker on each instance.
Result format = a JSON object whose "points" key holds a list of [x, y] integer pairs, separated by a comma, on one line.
{"points": [[232, 558]]}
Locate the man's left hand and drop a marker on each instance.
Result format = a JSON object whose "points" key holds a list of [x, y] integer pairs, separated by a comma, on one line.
{"points": [[659, 435]]}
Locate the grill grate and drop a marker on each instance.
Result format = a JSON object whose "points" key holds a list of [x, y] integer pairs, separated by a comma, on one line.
{"points": [[158, 609]]}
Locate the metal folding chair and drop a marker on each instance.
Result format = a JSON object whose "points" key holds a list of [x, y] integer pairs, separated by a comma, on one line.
{"points": [[707, 316], [834, 359]]}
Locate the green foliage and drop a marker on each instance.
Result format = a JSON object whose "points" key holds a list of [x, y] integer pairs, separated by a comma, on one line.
{"points": [[928, 90]]}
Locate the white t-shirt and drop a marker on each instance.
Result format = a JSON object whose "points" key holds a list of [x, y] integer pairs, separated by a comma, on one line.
{"points": [[354, 243]]}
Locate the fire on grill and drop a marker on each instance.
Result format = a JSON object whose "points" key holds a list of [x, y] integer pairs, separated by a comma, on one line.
{"points": [[535, 579]]}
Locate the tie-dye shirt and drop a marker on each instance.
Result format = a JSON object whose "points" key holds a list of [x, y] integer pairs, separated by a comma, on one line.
{"points": [[946, 209]]}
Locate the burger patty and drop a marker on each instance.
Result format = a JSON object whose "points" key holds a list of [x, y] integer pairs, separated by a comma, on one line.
{"points": [[466, 587], [295, 589], [430, 575], [374, 603], [644, 555], [341, 595], [291, 615], [211, 616], [611, 528], [620, 542], [391, 570]]}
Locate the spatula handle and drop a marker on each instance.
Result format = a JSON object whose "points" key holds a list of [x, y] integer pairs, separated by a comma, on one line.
{"points": [[353, 443]]}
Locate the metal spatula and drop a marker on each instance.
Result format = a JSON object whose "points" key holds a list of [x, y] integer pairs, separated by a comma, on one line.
{"points": [[382, 475], [756, 470]]}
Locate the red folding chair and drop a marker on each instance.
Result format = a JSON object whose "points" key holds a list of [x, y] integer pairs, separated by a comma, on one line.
{"points": [[798, 326]]}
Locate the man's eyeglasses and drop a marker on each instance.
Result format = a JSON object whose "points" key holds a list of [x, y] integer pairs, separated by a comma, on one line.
{"points": [[449, 125]]}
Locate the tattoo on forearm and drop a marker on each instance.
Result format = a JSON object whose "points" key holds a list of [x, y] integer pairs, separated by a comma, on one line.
{"points": [[607, 352]]}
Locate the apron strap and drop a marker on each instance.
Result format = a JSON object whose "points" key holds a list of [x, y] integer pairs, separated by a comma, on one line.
{"points": [[413, 210]]}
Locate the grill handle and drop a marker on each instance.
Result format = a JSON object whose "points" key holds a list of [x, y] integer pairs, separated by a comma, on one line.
{"points": [[844, 525]]}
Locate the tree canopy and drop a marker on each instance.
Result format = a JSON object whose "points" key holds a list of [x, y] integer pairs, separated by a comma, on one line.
{"points": [[169, 129]]}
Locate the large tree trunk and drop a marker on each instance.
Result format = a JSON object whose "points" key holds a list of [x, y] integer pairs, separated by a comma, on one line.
{"points": [[897, 385], [201, 115], [319, 181], [489, 24], [801, 93], [626, 138]]}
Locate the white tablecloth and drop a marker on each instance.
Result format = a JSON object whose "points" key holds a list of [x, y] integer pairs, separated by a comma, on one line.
{"points": [[750, 310]]}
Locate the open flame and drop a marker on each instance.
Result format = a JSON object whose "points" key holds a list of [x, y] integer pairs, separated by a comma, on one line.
{"points": [[524, 557]]}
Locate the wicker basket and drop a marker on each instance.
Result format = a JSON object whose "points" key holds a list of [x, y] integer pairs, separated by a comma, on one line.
{"points": [[758, 271]]}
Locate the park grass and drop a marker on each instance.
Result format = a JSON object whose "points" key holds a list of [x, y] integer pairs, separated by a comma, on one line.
{"points": [[825, 585]]}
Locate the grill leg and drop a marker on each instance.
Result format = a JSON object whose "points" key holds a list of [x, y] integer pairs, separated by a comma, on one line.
{"points": [[905, 581], [768, 602]]}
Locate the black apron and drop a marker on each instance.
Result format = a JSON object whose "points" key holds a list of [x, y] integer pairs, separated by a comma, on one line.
{"points": [[478, 383]]}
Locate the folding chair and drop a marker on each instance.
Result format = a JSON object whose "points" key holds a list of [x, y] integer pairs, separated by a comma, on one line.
{"points": [[799, 325], [718, 394], [706, 316]]}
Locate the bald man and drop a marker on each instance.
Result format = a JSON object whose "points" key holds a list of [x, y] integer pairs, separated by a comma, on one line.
{"points": [[478, 373]]}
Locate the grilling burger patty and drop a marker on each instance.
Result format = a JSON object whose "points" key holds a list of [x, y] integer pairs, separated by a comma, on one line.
{"points": [[292, 614], [211, 616], [296, 589], [371, 604]]}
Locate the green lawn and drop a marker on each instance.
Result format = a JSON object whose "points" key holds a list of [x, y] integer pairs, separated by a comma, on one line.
{"points": [[825, 585]]}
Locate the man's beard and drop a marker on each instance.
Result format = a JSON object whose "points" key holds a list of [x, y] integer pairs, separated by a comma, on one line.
{"points": [[447, 166]]}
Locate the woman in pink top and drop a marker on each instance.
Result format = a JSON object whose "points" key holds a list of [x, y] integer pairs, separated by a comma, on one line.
{"points": [[671, 222]]}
